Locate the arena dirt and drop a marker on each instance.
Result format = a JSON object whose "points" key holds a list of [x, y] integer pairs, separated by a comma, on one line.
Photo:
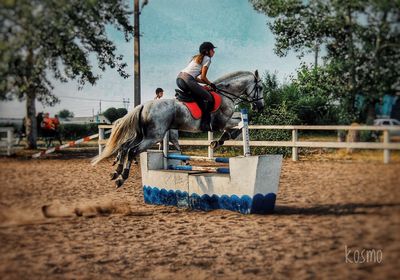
{"points": [[61, 218]]}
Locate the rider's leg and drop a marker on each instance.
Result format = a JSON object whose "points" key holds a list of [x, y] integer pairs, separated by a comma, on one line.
{"points": [[206, 116], [203, 97]]}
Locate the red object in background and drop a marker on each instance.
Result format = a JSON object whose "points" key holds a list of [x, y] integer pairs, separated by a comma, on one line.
{"points": [[48, 123]]}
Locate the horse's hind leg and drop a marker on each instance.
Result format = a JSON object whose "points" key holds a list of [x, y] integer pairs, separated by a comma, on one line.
{"points": [[132, 153], [117, 158], [125, 172], [123, 151], [120, 159]]}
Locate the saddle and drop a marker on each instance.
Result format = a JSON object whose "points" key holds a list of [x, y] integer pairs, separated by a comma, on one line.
{"points": [[187, 99]]}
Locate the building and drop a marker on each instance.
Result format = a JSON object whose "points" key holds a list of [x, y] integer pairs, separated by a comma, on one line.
{"points": [[17, 122], [86, 120]]}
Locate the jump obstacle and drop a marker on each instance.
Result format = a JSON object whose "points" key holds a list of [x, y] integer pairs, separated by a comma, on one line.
{"points": [[199, 158], [222, 170], [69, 144], [249, 185]]}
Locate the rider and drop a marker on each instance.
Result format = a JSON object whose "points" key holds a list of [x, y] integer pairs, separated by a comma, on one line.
{"points": [[195, 72]]}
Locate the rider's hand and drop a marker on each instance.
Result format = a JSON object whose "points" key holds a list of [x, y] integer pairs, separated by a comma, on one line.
{"points": [[213, 86]]}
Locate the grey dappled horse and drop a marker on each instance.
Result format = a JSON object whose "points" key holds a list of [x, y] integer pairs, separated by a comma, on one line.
{"points": [[147, 124]]}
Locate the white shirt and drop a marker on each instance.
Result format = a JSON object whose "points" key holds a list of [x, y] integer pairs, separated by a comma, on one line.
{"points": [[194, 69]]}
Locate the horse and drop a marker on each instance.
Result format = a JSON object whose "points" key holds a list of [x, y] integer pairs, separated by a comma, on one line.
{"points": [[147, 123]]}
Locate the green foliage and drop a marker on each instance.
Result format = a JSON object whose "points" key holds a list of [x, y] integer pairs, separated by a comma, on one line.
{"points": [[46, 40], [369, 136], [361, 40], [308, 99], [76, 131], [113, 114], [278, 100], [316, 100], [121, 112], [65, 114], [43, 37], [278, 116]]}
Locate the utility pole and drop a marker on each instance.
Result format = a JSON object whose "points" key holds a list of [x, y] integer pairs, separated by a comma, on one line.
{"points": [[316, 55], [126, 103], [136, 47]]}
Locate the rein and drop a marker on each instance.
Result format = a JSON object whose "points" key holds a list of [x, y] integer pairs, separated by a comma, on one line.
{"points": [[234, 97]]}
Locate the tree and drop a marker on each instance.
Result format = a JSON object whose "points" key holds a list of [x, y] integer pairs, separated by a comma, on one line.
{"points": [[361, 38], [46, 40], [302, 101], [113, 114], [65, 114], [121, 112]]}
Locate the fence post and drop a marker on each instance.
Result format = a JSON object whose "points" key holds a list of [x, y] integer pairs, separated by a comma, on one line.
{"points": [[386, 152], [210, 149], [10, 133], [166, 149], [245, 133], [101, 138], [295, 156]]}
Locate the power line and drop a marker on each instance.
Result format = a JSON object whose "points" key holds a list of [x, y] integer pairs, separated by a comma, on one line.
{"points": [[91, 99]]}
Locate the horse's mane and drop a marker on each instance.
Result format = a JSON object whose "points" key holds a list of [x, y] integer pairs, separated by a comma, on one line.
{"points": [[233, 75]]}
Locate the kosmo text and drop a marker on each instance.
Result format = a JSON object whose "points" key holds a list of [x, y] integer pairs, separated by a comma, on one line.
{"points": [[363, 255]]}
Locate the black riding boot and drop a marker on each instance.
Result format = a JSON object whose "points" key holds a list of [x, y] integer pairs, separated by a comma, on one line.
{"points": [[205, 118], [205, 121]]}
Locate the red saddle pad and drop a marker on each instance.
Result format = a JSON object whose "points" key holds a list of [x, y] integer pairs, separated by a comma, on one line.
{"points": [[194, 109]]}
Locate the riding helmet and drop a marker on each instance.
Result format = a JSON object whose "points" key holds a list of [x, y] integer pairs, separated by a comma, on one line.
{"points": [[206, 47]]}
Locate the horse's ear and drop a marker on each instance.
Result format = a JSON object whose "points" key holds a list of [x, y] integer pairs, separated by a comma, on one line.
{"points": [[256, 74]]}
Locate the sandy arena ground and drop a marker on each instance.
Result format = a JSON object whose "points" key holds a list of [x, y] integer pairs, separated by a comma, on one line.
{"points": [[323, 209]]}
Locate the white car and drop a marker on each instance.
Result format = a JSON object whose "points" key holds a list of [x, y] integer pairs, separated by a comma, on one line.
{"points": [[389, 122]]}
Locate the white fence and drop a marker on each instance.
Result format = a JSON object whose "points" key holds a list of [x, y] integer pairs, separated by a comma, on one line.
{"points": [[295, 144], [7, 139]]}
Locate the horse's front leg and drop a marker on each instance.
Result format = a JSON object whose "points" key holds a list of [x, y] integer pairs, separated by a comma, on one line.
{"points": [[229, 133], [174, 138], [226, 135]]}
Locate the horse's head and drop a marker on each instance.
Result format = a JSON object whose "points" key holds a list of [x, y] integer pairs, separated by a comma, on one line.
{"points": [[255, 93], [243, 86]]}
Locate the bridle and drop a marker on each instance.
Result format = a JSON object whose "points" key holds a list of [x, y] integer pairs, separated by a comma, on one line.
{"points": [[248, 98]]}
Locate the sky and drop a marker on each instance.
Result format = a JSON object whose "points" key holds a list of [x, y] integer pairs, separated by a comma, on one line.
{"points": [[172, 31]]}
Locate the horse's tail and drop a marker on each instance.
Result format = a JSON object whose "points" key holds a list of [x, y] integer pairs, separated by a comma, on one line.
{"points": [[124, 129]]}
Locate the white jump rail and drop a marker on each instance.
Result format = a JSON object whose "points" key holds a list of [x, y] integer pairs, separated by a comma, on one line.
{"points": [[386, 145]]}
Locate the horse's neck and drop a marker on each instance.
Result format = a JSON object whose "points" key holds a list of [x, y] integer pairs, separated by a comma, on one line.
{"points": [[234, 86]]}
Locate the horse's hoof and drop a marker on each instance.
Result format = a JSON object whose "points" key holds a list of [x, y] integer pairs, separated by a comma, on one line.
{"points": [[44, 211], [78, 212], [114, 175], [214, 144], [119, 183], [125, 174]]}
